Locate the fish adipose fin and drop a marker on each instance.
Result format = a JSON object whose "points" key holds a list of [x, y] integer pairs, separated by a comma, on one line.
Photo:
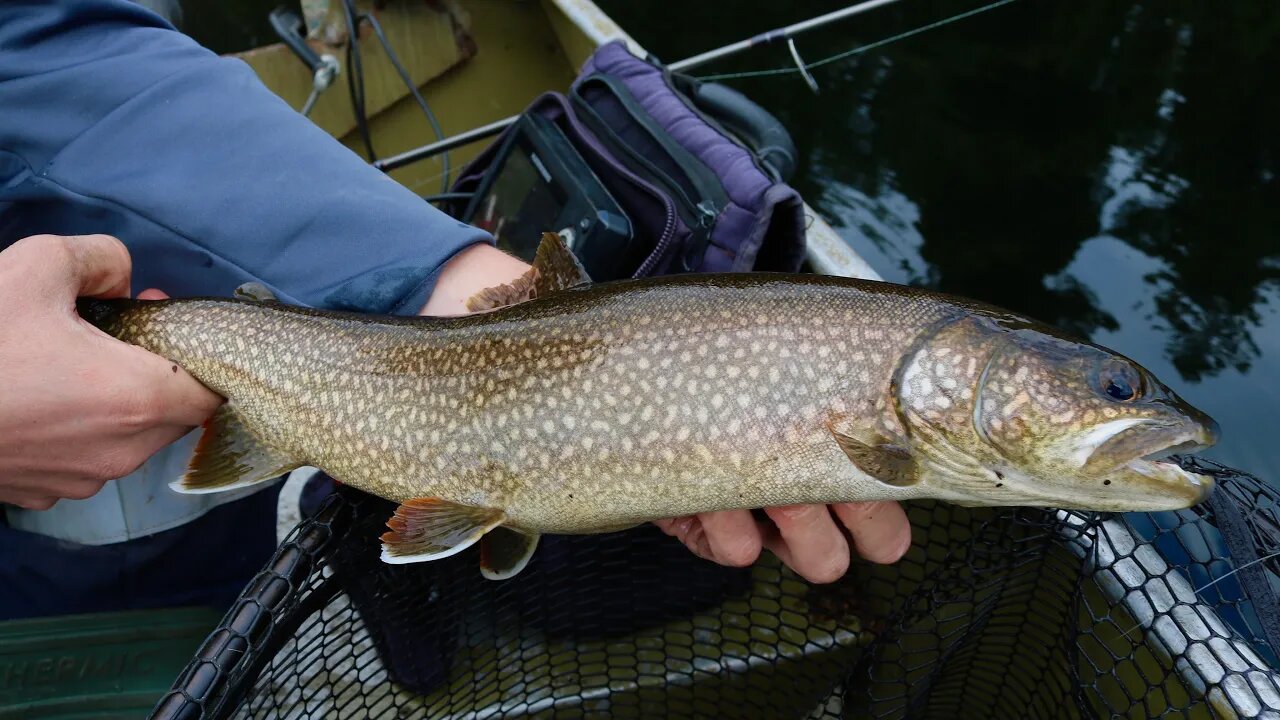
{"points": [[555, 268], [228, 456], [878, 457], [430, 529], [504, 553], [254, 292]]}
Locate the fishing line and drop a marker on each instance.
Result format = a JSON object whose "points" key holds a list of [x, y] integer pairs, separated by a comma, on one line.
{"points": [[1197, 591], [804, 68], [788, 33], [423, 181]]}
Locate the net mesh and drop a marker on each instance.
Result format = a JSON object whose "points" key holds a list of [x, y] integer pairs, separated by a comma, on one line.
{"points": [[1011, 612]]}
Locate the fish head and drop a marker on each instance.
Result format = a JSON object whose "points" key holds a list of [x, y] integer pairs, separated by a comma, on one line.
{"points": [[1043, 419]]}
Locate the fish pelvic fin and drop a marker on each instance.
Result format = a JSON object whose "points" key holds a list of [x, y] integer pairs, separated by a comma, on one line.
{"points": [[425, 529], [555, 268], [504, 552], [878, 457], [229, 456]]}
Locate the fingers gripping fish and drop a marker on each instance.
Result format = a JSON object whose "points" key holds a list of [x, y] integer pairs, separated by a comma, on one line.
{"points": [[572, 407]]}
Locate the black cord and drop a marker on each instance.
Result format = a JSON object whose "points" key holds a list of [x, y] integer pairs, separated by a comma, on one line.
{"points": [[408, 81], [448, 196], [355, 79]]}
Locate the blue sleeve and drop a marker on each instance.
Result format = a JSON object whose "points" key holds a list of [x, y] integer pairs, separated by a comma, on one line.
{"points": [[113, 122]]}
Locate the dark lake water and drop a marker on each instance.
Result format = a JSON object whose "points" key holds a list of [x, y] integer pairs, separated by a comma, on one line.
{"points": [[1107, 167], [1112, 168]]}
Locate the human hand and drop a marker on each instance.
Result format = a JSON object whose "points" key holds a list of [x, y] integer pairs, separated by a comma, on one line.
{"points": [[804, 537], [78, 408]]}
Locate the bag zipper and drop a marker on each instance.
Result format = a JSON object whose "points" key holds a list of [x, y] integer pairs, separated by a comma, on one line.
{"points": [[586, 135], [699, 213]]}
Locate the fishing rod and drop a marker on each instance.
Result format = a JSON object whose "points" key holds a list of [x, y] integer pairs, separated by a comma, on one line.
{"points": [[783, 34]]}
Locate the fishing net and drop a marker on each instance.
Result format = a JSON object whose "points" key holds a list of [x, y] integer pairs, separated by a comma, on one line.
{"points": [[993, 613]]}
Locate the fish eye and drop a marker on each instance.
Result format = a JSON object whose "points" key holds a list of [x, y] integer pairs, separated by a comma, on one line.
{"points": [[1119, 381], [1120, 389]]}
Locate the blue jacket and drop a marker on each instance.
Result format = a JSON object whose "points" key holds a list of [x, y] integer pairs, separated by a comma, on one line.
{"points": [[113, 122]]}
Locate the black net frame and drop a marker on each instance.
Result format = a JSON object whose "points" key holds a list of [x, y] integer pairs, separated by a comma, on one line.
{"points": [[1008, 612]]}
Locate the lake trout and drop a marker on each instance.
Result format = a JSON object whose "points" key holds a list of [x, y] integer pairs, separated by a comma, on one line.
{"points": [[571, 407]]}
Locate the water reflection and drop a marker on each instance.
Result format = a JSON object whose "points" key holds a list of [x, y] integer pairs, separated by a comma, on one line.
{"points": [[1108, 168]]}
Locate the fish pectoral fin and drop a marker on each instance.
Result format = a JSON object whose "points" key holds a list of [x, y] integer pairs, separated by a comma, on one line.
{"points": [[555, 268], [504, 552], [228, 456], [878, 457], [430, 529]]}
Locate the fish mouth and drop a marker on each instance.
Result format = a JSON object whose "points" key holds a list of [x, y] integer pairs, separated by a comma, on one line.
{"points": [[1146, 448], [1120, 442], [1180, 482]]}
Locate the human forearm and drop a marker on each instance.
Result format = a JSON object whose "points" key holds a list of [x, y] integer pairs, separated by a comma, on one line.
{"points": [[209, 178]]}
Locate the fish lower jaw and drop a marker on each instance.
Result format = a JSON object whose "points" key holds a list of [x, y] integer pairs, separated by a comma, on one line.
{"points": [[1195, 487]]}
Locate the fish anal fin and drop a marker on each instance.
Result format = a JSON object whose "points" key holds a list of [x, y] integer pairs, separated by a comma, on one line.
{"points": [[504, 552], [229, 456], [877, 456], [425, 529], [555, 268]]}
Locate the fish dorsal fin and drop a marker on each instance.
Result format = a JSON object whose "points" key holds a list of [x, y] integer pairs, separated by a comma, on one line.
{"points": [[229, 456], [425, 529], [504, 552], [558, 268], [555, 268], [500, 296], [878, 456]]}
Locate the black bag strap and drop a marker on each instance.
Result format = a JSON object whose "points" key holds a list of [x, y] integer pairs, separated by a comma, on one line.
{"points": [[1252, 573]]}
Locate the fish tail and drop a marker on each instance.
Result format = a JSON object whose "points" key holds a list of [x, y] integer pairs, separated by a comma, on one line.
{"points": [[106, 315]]}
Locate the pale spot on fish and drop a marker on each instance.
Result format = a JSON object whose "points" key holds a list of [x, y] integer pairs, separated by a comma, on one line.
{"points": [[1012, 406]]}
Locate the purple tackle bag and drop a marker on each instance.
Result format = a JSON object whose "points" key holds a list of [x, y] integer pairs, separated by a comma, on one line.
{"points": [[697, 196]]}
